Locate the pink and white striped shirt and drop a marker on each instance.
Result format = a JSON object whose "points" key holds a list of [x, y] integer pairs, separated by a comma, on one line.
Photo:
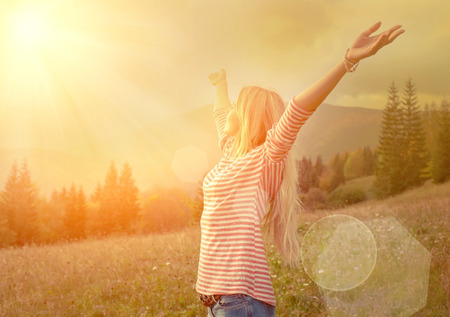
{"points": [[232, 256]]}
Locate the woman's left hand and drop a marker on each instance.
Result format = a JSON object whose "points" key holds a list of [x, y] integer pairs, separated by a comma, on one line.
{"points": [[366, 45]]}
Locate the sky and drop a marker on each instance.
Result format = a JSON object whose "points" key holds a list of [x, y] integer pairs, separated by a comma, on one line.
{"points": [[72, 72]]}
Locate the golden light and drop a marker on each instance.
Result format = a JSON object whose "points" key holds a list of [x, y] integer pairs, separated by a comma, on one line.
{"points": [[30, 28], [74, 72]]}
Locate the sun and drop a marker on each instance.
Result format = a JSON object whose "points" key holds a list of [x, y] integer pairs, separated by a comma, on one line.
{"points": [[30, 28]]}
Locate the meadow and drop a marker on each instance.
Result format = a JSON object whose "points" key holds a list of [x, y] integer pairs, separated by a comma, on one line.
{"points": [[154, 275]]}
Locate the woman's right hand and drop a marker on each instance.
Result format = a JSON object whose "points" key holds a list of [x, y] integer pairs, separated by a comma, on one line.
{"points": [[215, 78]]}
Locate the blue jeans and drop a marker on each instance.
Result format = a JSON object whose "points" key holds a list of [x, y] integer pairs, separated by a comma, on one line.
{"points": [[238, 305]]}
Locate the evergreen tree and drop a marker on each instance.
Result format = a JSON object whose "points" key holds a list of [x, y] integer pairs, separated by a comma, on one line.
{"points": [[318, 170], [10, 197], [75, 213], [369, 161], [391, 148], [28, 200], [7, 236], [51, 218], [128, 200], [416, 156], [97, 194], [337, 167], [305, 174], [108, 212], [441, 151], [430, 124], [81, 213], [70, 214], [19, 204], [354, 167]]}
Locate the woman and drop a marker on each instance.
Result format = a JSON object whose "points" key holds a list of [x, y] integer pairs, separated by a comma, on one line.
{"points": [[254, 184]]}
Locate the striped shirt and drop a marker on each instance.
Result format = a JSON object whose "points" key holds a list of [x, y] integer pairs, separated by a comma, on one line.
{"points": [[232, 256]]}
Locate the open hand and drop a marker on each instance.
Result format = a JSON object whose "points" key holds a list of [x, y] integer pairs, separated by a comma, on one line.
{"points": [[366, 45], [216, 77]]}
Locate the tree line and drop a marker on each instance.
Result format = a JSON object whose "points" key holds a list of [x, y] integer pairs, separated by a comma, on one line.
{"points": [[116, 206]]}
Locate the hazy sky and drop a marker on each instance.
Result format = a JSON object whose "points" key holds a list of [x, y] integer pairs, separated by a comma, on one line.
{"points": [[104, 67]]}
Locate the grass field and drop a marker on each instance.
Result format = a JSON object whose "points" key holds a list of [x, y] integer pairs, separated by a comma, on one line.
{"points": [[154, 275]]}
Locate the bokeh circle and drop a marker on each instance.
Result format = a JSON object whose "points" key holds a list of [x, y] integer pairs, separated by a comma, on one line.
{"points": [[338, 252]]}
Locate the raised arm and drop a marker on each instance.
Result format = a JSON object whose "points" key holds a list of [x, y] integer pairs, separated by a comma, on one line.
{"points": [[282, 137], [364, 46], [219, 80]]}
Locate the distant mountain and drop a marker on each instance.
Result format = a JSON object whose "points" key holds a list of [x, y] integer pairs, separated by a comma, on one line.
{"points": [[150, 151], [335, 129]]}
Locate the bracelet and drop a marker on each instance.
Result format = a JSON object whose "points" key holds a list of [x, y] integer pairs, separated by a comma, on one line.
{"points": [[349, 66]]}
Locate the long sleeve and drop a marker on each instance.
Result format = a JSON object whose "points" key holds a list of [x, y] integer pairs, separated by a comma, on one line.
{"points": [[281, 137], [220, 118]]}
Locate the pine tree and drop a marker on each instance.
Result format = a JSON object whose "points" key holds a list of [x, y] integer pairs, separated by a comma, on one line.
{"points": [[70, 213], [416, 158], [354, 167], [389, 170], [75, 213], [108, 212], [29, 201], [318, 170], [337, 167], [19, 204], [7, 236], [51, 217], [97, 194], [430, 124], [10, 197], [441, 152], [81, 213], [128, 200], [369, 161], [305, 174]]}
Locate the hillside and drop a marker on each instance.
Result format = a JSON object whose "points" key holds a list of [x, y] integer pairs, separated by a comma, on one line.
{"points": [[334, 129], [150, 150]]}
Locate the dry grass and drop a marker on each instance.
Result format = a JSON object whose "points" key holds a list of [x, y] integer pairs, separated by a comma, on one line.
{"points": [[118, 276], [154, 275]]}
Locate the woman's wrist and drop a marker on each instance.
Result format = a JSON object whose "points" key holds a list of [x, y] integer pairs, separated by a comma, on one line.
{"points": [[350, 64]]}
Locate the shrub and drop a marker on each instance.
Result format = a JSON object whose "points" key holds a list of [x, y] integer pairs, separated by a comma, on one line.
{"points": [[169, 209], [7, 236], [346, 195], [315, 199]]}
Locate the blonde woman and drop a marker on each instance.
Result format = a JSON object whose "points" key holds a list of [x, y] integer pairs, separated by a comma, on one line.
{"points": [[255, 184]]}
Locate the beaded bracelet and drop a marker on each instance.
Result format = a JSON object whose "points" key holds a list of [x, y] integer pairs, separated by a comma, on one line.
{"points": [[349, 66]]}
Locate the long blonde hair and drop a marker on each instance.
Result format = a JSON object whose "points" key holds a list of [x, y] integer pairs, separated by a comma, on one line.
{"points": [[257, 110]]}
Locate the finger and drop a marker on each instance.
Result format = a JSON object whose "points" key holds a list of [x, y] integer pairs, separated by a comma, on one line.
{"points": [[388, 32], [392, 30], [394, 35], [395, 27], [380, 42], [372, 29], [387, 37]]}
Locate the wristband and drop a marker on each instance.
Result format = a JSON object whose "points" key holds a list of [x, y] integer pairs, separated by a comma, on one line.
{"points": [[349, 66]]}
